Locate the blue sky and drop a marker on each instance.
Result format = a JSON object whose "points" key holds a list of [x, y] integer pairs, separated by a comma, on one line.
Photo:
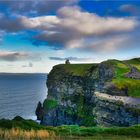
{"points": [[38, 34]]}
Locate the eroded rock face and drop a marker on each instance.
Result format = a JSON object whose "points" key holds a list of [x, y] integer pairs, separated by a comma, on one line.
{"points": [[115, 113], [71, 98], [39, 111], [74, 102], [113, 90], [134, 73]]}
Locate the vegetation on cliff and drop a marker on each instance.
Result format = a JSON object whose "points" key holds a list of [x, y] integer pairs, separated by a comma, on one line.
{"points": [[119, 79], [121, 68], [49, 104], [73, 69]]}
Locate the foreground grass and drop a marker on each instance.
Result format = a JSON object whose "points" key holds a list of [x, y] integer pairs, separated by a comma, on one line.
{"points": [[19, 128], [15, 133]]}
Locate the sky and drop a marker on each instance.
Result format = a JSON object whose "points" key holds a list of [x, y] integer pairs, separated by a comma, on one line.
{"points": [[35, 35]]}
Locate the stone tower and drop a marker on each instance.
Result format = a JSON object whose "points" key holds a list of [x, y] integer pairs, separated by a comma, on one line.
{"points": [[67, 61]]}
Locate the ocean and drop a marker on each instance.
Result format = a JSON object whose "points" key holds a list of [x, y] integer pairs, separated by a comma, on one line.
{"points": [[20, 94]]}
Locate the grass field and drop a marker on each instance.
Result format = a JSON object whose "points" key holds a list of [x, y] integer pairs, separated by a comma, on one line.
{"points": [[19, 128]]}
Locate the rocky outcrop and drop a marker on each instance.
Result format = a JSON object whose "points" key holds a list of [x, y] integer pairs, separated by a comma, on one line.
{"points": [[115, 110], [133, 73], [39, 111], [71, 96]]}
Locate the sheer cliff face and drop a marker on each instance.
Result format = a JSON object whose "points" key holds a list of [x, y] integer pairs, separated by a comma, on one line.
{"points": [[116, 110], [71, 98]]}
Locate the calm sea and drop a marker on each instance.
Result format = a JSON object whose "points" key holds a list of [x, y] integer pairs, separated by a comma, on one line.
{"points": [[20, 93]]}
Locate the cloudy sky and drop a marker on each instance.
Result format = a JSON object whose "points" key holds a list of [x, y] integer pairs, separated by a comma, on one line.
{"points": [[37, 34]]}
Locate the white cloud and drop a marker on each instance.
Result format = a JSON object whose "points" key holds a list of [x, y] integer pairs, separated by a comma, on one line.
{"points": [[72, 18], [72, 27], [38, 22], [92, 24], [18, 56]]}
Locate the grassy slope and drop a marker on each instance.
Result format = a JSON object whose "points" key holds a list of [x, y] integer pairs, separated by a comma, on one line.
{"points": [[120, 81], [134, 62], [31, 127]]}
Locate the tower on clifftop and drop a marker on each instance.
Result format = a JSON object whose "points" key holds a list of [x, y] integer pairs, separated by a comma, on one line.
{"points": [[67, 61]]}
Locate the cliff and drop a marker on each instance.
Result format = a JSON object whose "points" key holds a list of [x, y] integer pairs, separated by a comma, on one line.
{"points": [[71, 95], [116, 110]]}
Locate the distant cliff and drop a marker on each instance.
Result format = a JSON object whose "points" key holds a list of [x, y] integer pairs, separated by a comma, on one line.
{"points": [[71, 93]]}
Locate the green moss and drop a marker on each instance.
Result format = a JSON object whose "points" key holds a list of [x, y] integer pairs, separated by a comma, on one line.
{"points": [[49, 104], [88, 121], [84, 109], [119, 103], [69, 111]]}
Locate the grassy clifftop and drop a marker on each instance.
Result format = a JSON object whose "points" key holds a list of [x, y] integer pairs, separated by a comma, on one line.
{"points": [[120, 68], [75, 69]]}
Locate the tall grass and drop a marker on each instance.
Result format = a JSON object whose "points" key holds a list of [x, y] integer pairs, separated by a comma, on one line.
{"points": [[21, 129], [19, 134], [16, 133]]}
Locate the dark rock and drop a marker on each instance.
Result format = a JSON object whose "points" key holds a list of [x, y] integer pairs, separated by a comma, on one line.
{"points": [[109, 113], [39, 111], [133, 74], [113, 90]]}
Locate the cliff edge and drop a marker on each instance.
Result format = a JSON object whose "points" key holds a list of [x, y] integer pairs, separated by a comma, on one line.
{"points": [[72, 97]]}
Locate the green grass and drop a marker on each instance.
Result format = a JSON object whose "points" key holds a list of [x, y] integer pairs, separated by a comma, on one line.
{"points": [[134, 62], [20, 123], [99, 137], [91, 131], [49, 104], [76, 69], [133, 86], [121, 82], [72, 131]]}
